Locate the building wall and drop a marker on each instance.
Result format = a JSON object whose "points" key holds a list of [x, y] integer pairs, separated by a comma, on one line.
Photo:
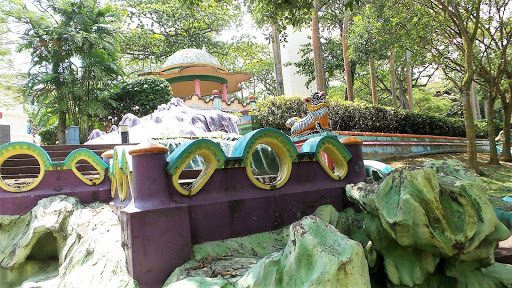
{"points": [[295, 84], [12, 114]]}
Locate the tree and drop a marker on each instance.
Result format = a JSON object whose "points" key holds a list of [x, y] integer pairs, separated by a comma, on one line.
{"points": [[155, 29], [278, 65], [332, 59], [66, 40], [277, 35], [99, 67], [491, 65], [317, 49], [139, 97], [457, 24], [243, 54], [506, 101]]}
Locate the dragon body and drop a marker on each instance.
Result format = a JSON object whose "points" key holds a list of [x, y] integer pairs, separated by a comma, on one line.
{"points": [[317, 118]]}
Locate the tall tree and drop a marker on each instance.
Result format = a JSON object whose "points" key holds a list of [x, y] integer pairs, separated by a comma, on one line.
{"points": [[506, 101], [349, 78], [336, 18], [317, 49], [278, 65], [492, 62], [460, 29], [57, 34]]}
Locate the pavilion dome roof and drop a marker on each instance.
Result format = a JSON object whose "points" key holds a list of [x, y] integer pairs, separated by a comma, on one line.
{"points": [[186, 66], [191, 56]]}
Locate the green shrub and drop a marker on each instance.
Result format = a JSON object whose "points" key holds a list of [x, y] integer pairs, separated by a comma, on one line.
{"points": [[347, 116], [275, 111], [48, 135], [482, 131]]}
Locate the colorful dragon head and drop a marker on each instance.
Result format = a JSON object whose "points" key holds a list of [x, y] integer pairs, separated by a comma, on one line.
{"points": [[316, 100]]}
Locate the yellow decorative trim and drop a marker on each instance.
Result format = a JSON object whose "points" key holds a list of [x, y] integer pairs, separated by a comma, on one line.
{"points": [[334, 150], [93, 159], [212, 155], [340, 166], [22, 148], [121, 176], [210, 164], [45, 164], [285, 162]]}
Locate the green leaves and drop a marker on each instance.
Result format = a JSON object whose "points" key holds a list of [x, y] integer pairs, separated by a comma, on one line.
{"points": [[159, 28], [139, 97]]}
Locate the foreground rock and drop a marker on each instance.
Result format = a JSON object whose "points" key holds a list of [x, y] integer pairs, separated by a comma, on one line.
{"points": [[62, 243], [309, 253], [434, 227], [317, 255]]}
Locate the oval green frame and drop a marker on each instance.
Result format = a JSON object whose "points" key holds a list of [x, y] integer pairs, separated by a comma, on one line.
{"points": [[285, 164], [334, 149], [212, 155], [278, 142], [15, 148], [93, 159]]}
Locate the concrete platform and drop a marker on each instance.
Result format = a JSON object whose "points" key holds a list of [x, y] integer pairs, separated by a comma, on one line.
{"points": [[503, 252]]}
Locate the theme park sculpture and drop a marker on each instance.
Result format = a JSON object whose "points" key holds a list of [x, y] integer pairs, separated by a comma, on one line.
{"points": [[317, 118]]}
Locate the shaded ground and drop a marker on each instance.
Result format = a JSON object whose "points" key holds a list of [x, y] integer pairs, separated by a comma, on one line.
{"points": [[497, 178]]}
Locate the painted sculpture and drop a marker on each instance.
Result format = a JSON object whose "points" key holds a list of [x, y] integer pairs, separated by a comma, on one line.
{"points": [[317, 119]]}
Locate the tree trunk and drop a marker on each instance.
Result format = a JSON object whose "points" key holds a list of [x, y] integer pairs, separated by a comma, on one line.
{"points": [[470, 130], [491, 126], [373, 81], [506, 127], [61, 128], [507, 110], [317, 50], [466, 103], [392, 77], [409, 78], [474, 102], [402, 91], [346, 60], [276, 51]]}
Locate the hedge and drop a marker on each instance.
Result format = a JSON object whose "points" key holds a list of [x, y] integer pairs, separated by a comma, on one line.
{"points": [[348, 116]]}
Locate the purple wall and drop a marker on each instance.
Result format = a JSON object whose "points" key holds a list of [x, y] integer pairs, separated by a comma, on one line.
{"points": [[160, 225]]}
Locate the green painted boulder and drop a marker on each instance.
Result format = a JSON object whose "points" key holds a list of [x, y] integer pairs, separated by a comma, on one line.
{"points": [[433, 226], [62, 243], [200, 282], [316, 255]]}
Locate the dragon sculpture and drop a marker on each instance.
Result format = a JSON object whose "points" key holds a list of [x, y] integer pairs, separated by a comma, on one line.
{"points": [[317, 119]]}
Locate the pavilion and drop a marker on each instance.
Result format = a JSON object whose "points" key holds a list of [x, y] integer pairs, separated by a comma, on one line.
{"points": [[195, 71]]}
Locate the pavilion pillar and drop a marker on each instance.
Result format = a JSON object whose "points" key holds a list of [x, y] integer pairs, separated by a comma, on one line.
{"points": [[225, 92], [197, 84]]}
